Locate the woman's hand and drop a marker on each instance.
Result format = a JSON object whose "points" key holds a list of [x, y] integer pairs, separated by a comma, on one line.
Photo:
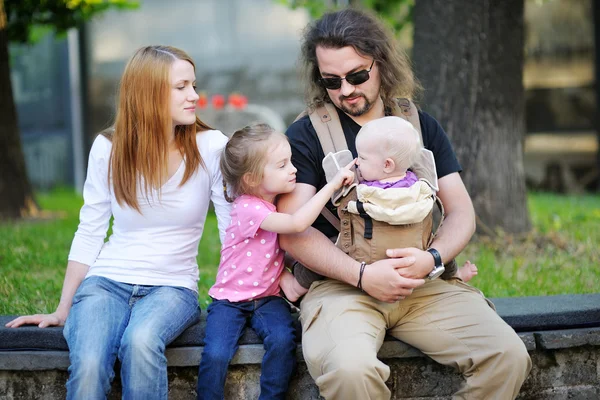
{"points": [[75, 274], [41, 320]]}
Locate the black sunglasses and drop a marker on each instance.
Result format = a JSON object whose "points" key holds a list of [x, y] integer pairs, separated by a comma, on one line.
{"points": [[355, 78]]}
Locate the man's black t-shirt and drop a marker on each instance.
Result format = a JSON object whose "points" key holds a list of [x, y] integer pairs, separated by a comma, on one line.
{"points": [[307, 154]]}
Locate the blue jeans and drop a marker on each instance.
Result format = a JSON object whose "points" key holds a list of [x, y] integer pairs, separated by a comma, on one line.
{"points": [[271, 319], [135, 323]]}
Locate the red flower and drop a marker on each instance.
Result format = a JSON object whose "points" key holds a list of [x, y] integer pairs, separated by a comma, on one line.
{"points": [[202, 100], [238, 101], [218, 101]]}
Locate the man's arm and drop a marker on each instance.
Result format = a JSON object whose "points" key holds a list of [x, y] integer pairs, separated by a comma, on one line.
{"points": [[313, 249], [459, 224], [455, 233]]}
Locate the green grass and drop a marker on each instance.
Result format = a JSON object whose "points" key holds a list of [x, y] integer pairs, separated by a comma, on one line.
{"points": [[559, 256], [33, 256]]}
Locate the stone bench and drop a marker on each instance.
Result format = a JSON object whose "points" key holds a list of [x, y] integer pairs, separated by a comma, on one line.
{"points": [[562, 334]]}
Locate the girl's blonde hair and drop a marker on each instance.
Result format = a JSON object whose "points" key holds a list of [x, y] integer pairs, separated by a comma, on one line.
{"points": [[143, 122], [244, 158]]}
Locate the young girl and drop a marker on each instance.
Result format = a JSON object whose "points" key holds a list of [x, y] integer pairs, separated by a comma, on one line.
{"points": [[256, 166]]}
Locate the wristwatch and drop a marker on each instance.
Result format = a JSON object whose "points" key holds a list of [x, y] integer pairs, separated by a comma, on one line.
{"points": [[438, 268]]}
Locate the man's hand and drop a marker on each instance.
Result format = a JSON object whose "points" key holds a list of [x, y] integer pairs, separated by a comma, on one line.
{"points": [[41, 320], [383, 281], [423, 262]]}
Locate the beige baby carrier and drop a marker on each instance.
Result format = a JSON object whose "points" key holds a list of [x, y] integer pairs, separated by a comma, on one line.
{"points": [[372, 220], [368, 227]]}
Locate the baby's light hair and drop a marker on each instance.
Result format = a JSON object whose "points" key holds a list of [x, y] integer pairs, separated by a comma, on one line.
{"points": [[403, 146], [397, 139], [245, 153]]}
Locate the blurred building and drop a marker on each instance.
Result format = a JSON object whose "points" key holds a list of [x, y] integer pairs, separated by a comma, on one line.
{"points": [[560, 95], [65, 89], [248, 47], [40, 82], [241, 46]]}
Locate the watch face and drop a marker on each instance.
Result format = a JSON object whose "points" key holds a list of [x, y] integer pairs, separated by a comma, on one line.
{"points": [[437, 271]]}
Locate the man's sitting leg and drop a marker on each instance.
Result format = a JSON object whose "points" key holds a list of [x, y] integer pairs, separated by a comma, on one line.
{"points": [[343, 328], [452, 323]]}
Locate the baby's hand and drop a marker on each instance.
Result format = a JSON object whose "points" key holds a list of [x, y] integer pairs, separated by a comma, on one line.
{"points": [[345, 176]]}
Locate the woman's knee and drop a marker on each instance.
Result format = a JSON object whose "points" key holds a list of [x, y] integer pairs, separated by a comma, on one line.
{"points": [[91, 368], [141, 343]]}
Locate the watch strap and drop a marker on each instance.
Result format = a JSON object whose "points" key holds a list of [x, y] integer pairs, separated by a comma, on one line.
{"points": [[437, 258]]}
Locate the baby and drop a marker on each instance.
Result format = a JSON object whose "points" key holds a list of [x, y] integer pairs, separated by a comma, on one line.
{"points": [[387, 148], [391, 203]]}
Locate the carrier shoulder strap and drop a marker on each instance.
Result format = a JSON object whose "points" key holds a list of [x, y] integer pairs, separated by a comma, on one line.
{"points": [[408, 110], [329, 130], [333, 220], [324, 118]]}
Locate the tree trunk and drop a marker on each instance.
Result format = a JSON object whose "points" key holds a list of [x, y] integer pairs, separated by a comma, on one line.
{"points": [[596, 18], [469, 57], [15, 191]]}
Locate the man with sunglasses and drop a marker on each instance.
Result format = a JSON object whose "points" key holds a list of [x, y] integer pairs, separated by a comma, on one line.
{"points": [[351, 60]]}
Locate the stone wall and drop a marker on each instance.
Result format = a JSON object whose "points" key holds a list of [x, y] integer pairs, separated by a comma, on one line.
{"points": [[565, 350]]}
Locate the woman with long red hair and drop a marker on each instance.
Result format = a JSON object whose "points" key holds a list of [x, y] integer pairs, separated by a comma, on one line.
{"points": [[154, 174]]}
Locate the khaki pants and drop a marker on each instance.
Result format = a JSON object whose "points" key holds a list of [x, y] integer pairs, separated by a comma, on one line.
{"points": [[450, 321]]}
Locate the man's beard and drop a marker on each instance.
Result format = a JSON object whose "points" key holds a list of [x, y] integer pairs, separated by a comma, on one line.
{"points": [[356, 111]]}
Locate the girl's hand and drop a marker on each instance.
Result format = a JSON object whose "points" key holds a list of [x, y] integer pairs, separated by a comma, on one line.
{"points": [[345, 176]]}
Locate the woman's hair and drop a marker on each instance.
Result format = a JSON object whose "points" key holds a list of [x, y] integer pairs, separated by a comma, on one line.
{"points": [[143, 122], [370, 38], [244, 158]]}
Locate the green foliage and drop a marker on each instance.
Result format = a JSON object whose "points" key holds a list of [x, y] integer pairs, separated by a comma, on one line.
{"points": [[560, 255], [315, 8], [397, 13], [29, 20]]}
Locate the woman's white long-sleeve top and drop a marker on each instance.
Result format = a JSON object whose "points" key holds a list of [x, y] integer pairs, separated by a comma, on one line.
{"points": [[159, 245]]}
